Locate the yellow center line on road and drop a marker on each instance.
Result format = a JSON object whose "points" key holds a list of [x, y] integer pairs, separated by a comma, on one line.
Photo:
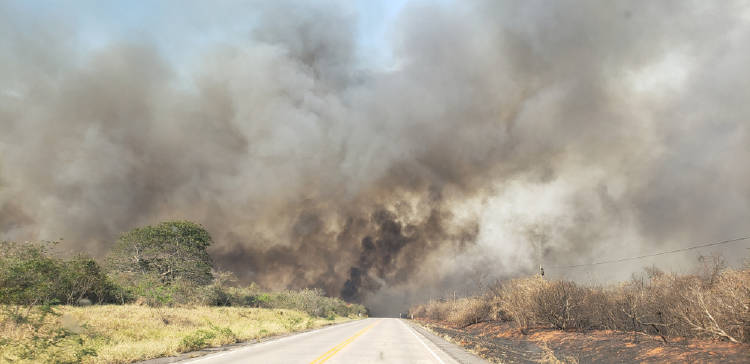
{"points": [[328, 354]]}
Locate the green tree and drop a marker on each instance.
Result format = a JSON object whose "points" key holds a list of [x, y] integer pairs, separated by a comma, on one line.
{"points": [[31, 275], [171, 250]]}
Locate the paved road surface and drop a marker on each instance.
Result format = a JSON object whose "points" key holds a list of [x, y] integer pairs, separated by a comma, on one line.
{"points": [[373, 340]]}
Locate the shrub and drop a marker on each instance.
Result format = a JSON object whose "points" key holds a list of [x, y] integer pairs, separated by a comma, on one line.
{"points": [[27, 274], [516, 300], [82, 278], [196, 340], [468, 311], [562, 305], [201, 338], [30, 275], [437, 310], [461, 312]]}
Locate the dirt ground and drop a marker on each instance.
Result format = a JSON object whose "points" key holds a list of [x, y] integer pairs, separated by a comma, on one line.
{"points": [[502, 343]]}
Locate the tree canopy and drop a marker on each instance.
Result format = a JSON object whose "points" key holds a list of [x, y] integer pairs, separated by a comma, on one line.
{"points": [[170, 250]]}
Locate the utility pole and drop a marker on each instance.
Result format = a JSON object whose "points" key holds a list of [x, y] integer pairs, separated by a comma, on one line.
{"points": [[540, 248]]}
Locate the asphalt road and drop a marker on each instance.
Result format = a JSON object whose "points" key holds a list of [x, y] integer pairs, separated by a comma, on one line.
{"points": [[373, 340]]}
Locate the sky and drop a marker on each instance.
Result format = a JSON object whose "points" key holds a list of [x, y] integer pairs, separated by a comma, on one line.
{"points": [[385, 152], [183, 28]]}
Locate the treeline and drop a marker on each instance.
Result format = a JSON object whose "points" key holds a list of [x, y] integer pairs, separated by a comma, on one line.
{"points": [[712, 304], [158, 266]]}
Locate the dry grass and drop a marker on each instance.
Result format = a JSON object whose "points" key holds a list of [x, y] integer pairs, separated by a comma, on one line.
{"points": [[128, 333], [711, 304], [460, 312]]}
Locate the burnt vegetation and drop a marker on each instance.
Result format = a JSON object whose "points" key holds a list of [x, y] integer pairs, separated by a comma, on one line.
{"points": [[712, 303]]}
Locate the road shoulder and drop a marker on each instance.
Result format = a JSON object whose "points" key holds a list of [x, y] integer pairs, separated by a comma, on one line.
{"points": [[454, 351]]}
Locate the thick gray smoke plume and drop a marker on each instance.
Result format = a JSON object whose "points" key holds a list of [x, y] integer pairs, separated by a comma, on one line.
{"points": [[501, 134]]}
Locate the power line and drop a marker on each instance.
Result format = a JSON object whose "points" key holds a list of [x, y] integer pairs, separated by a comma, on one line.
{"points": [[655, 254]]}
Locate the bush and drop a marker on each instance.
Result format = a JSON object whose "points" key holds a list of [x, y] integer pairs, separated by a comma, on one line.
{"points": [[196, 340], [437, 310], [516, 300], [29, 275], [461, 312], [562, 305], [82, 278], [202, 338], [468, 311]]}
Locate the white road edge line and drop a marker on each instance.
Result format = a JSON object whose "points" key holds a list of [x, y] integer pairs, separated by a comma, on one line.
{"points": [[271, 341], [423, 343]]}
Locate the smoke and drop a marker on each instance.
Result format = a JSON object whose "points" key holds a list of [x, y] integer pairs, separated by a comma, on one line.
{"points": [[499, 135]]}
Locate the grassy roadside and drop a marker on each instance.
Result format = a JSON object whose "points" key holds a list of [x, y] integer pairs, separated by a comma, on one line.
{"points": [[128, 333]]}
